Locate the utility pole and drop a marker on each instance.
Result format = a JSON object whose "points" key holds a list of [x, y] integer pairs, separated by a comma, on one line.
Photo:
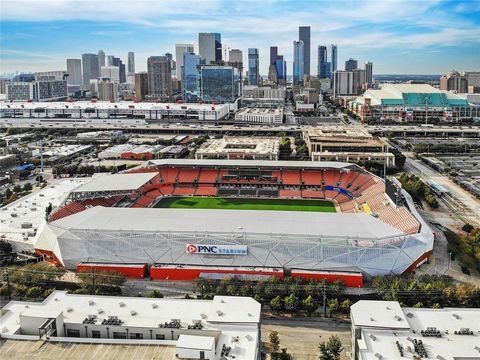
{"points": [[324, 301], [93, 281]]}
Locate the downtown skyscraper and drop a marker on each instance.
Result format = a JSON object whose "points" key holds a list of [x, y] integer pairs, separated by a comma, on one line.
{"points": [[210, 47], [74, 71], [90, 68], [159, 70], [304, 36], [180, 51], [298, 52], [323, 67], [131, 62], [334, 58], [253, 67]]}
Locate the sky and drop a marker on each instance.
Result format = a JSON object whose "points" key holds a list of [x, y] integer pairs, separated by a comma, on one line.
{"points": [[398, 36]]}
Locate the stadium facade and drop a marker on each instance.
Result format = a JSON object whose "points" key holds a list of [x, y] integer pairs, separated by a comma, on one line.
{"points": [[110, 222]]}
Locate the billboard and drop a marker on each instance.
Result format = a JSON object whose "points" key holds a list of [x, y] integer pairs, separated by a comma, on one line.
{"points": [[206, 249]]}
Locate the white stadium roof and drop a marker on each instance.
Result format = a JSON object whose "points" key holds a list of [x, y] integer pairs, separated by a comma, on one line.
{"points": [[117, 182], [346, 225]]}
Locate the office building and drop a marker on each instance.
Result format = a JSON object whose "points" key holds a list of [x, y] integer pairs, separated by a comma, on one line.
{"points": [[104, 89], [351, 65], [74, 70], [273, 55], [111, 72], [109, 61], [298, 62], [39, 90], [58, 75], [3, 85], [210, 47], [333, 61], [180, 51], [101, 60], [253, 67], [121, 69], [385, 330], [369, 74], [271, 116], [159, 77], [235, 56], [323, 64], [225, 327], [218, 83], [348, 82], [141, 85], [245, 148], [304, 36], [473, 82], [190, 74], [454, 81], [90, 69], [281, 66], [131, 62]]}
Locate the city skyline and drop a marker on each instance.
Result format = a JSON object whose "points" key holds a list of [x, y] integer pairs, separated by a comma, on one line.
{"points": [[400, 37]]}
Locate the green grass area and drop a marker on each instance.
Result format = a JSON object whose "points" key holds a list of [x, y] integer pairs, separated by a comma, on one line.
{"points": [[191, 202]]}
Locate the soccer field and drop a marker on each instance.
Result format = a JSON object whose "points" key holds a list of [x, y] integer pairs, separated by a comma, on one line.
{"points": [[245, 204]]}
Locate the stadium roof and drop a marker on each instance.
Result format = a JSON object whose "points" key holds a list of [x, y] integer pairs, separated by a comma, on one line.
{"points": [[117, 182], [254, 163], [334, 225]]}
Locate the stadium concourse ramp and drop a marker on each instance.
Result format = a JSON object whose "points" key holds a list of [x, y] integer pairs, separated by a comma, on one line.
{"points": [[111, 221]]}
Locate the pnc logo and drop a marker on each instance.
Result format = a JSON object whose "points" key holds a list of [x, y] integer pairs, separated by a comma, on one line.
{"points": [[191, 248]]}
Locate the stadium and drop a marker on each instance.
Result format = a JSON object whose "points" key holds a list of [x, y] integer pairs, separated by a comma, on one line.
{"points": [[180, 219]]}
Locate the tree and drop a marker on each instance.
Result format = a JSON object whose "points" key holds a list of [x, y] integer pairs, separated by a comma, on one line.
{"points": [[332, 349], [17, 189], [155, 294], [27, 187], [291, 303], [467, 228], [274, 341], [310, 305], [333, 305], [5, 247], [276, 303], [345, 305]]}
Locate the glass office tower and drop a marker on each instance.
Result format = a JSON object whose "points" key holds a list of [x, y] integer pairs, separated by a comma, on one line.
{"points": [[298, 62], [253, 70], [218, 83], [190, 73]]}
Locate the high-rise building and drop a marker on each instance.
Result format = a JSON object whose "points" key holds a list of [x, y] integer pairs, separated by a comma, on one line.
{"points": [[351, 65], [111, 72], [281, 66], [298, 62], [253, 67], [121, 69], [218, 83], [333, 59], [131, 62], [90, 69], [104, 89], [273, 54], [323, 70], [180, 51], [210, 47], [304, 36], [58, 75], [141, 85], [369, 73], [159, 77], [3, 85], [454, 81], [235, 56], [74, 71], [348, 82], [109, 61], [38, 90], [101, 60], [473, 81], [191, 62]]}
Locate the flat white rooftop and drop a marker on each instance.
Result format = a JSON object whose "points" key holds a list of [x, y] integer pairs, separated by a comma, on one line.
{"points": [[116, 182], [31, 210], [347, 225]]}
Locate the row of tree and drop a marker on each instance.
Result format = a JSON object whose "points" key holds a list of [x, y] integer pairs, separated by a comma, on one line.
{"points": [[418, 189], [9, 196], [427, 291], [465, 247], [309, 305]]}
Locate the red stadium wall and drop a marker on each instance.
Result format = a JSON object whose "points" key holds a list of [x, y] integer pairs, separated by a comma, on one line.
{"points": [[161, 273], [418, 262], [137, 272], [49, 256], [350, 280]]}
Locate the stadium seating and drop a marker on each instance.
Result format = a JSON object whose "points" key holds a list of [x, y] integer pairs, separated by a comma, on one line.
{"points": [[315, 194], [348, 206], [311, 177], [206, 191], [291, 177], [331, 177], [188, 175], [187, 190], [290, 193], [208, 176]]}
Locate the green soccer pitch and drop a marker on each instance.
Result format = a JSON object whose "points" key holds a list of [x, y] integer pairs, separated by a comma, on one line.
{"points": [[192, 202]]}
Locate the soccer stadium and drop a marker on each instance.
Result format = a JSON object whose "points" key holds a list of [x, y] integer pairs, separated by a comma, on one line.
{"points": [[179, 219]]}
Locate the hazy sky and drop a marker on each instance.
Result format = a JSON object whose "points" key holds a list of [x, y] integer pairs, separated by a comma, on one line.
{"points": [[409, 37]]}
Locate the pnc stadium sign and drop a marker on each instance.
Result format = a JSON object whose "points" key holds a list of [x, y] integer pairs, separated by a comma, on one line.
{"points": [[205, 249]]}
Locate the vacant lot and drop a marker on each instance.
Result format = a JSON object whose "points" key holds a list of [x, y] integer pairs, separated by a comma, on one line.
{"points": [[246, 204]]}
